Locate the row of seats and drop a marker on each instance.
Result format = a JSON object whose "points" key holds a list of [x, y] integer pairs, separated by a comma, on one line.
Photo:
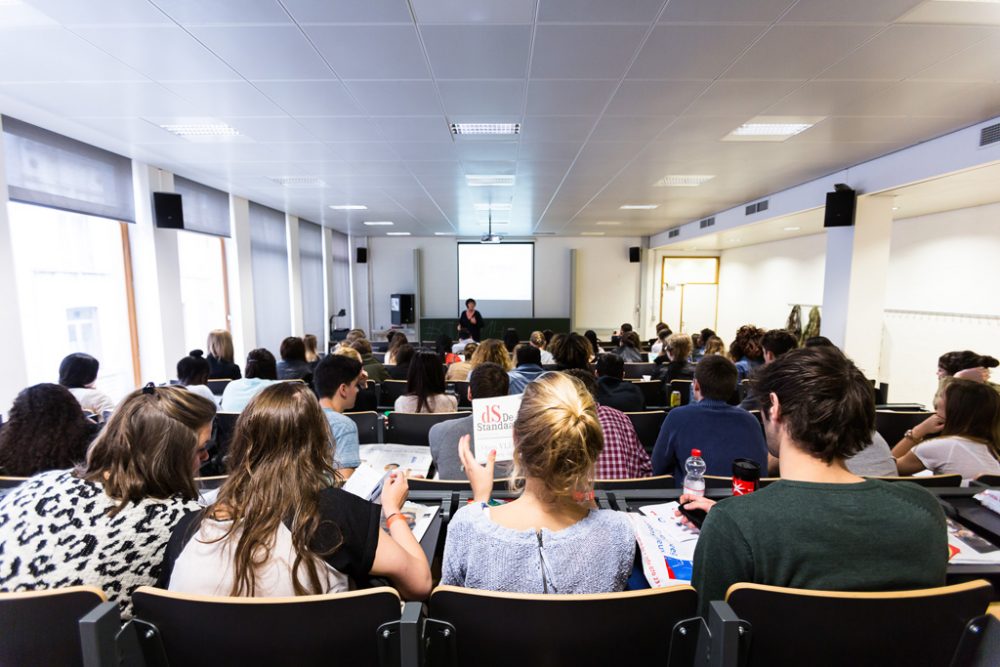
{"points": [[757, 625]]}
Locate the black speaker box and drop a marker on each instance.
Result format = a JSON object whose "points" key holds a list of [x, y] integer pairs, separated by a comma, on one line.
{"points": [[362, 255], [167, 211], [840, 207], [633, 254], [402, 308]]}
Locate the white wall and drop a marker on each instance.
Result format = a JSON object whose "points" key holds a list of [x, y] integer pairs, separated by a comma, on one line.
{"points": [[758, 283]]}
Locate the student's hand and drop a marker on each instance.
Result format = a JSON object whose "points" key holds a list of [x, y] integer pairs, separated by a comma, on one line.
{"points": [[930, 426], [975, 374], [480, 476], [693, 503], [394, 492]]}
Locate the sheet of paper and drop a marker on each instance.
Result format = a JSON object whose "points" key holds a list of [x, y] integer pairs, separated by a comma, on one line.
{"points": [[663, 562], [365, 482], [418, 517], [671, 527], [493, 426], [412, 460], [966, 547]]}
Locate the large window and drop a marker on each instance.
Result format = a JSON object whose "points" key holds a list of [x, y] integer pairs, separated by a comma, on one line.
{"points": [[203, 286], [73, 293]]}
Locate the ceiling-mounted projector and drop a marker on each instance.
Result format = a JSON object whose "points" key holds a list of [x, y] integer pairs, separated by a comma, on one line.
{"points": [[490, 238]]}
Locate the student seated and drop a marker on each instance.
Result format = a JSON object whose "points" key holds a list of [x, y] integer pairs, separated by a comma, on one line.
{"points": [[279, 527], [337, 380], [487, 380], [425, 387], [721, 431], [78, 373], [192, 374], [106, 522], [262, 372], [677, 353], [529, 367], [459, 371], [312, 356], [373, 367], [551, 539], [746, 352], [293, 364], [537, 340], [570, 351], [613, 390], [401, 369], [774, 343], [622, 456], [820, 527], [45, 430], [220, 356], [968, 420], [629, 350]]}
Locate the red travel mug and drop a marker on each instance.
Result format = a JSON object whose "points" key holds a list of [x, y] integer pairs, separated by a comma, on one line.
{"points": [[746, 476]]}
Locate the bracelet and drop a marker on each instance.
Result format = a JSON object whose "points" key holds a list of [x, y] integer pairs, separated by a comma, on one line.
{"points": [[909, 436], [389, 519]]}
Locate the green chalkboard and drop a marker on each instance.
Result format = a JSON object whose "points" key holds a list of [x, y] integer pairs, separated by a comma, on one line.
{"points": [[431, 328]]}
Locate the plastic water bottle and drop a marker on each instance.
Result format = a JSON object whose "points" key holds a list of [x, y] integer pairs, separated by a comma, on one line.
{"points": [[694, 478]]}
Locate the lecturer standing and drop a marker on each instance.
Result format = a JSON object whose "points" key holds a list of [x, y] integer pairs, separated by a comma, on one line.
{"points": [[471, 320]]}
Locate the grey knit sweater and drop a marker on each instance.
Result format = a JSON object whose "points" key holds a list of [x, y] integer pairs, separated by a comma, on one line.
{"points": [[594, 555]]}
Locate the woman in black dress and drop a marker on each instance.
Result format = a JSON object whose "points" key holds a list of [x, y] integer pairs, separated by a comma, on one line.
{"points": [[471, 320]]}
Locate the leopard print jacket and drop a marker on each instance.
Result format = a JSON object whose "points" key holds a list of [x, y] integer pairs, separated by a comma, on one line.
{"points": [[55, 532]]}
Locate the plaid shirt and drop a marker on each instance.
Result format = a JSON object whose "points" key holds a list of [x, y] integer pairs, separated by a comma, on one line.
{"points": [[622, 456]]}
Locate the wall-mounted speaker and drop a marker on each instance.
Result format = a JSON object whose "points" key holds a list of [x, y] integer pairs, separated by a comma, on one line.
{"points": [[633, 254], [167, 211], [362, 255], [840, 206]]}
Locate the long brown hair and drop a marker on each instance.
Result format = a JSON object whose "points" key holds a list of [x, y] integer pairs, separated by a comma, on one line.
{"points": [[972, 410], [147, 448], [279, 459], [492, 350]]}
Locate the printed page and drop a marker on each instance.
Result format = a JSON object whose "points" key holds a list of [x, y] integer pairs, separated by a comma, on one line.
{"points": [[493, 426], [411, 460]]}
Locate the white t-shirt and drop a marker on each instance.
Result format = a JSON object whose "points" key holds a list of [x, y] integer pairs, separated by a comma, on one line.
{"points": [[93, 400], [203, 391], [955, 454], [435, 403]]}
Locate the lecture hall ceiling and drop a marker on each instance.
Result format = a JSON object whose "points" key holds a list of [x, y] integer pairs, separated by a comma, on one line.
{"points": [[350, 102]]}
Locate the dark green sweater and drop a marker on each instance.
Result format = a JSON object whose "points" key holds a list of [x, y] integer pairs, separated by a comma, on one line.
{"points": [[870, 536]]}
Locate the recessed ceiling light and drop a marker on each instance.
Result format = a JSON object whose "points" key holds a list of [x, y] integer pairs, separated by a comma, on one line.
{"points": [[591, 233], [792, 229], [493, 207], [638, 207], [378, 223], [608, 223], [485, 128], [349, 207], [485, 180], [298, 181], [444, 233], [397, 233], [772, 128], [201, 129], [683, 180]]}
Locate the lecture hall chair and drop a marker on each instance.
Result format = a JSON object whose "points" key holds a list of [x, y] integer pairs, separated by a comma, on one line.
{"points": [[412, 428], [41, 627]]}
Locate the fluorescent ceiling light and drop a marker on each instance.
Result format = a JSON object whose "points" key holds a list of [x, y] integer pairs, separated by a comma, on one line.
{"points": [[792, 229], [485, 180], [608, 223], [772, 128], [591, 233], [378, 223], [683, 180], [349, 207], [485, 128], [397, 233], [493, 207], [201, 129], [298, 181], [444, 233], [638, 207]]}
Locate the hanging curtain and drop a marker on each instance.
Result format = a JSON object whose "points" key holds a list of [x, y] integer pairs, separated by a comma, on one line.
{"points": [[813, 325], [794, 324]]}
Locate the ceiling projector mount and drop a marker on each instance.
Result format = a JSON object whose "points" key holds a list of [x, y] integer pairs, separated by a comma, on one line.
{"points": [[490, 237]]}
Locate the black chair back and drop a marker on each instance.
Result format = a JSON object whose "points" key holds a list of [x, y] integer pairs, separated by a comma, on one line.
{"points": [[929, 481], [388, 392], [817, 628], [462, 393], [647, 426], [218, 386], [540, 630], [446, 485], [196, 630], [367, 399], [682, 386], [42, 627], [369, 426], [412, 428], [634, 370], [892, 424], [654, 393], [658, 482]]}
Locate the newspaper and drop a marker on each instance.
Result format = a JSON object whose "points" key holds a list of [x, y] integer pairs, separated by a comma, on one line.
{"points": [[418, 517], [411, 460], [493, 426], [666, 545], [967, 548], [990, 499]]}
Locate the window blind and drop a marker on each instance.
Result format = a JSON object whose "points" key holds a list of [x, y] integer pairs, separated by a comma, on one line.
{"points": [[269, 266], [311, 270], [206, 209]]}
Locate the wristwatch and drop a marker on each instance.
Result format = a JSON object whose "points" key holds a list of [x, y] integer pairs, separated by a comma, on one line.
{"points": [[909, 435]]}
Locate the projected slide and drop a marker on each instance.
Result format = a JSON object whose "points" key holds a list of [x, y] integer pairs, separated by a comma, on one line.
{"points": [[501, 278]]}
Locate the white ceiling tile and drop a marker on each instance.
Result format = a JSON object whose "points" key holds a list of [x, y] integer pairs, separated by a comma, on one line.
{"points": [[225, 98], [310, 98], [598, 11], [824, 98], [271, 129], [912, 98], [903, 50], [56, 55], [482, 97], [691, 51], [349, 11], [245, 11], [748, 98], [557, 53], [481, 151], [550, 150], [662, 98], [568, 98], [425, 150], [98, 12], [364, 150], [115, 99], [134, 130], [764, 11], [371, 51], [507, 12], [143, 49], [849, 11], [978, 62], [392, 98], [343, 128], [270, 52], [695, 130], [477, 51], [798, 51], [415, 128], [556, 128], [630, 128]]}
